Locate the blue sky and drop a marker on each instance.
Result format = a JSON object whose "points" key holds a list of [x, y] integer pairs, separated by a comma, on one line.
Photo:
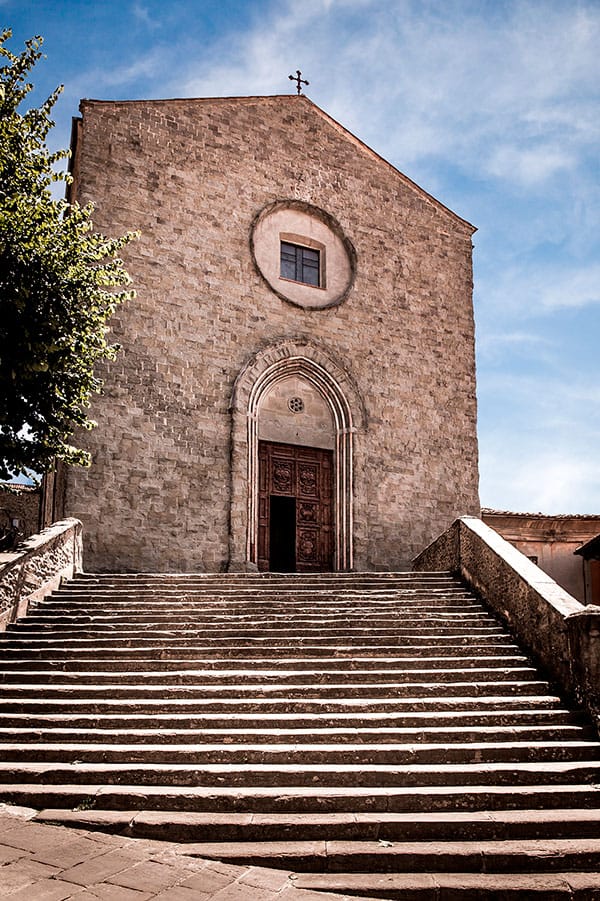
{"points": [[493, 107]]}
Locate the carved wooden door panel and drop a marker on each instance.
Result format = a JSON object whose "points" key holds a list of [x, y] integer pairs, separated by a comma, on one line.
{"points": [[295, 508]]}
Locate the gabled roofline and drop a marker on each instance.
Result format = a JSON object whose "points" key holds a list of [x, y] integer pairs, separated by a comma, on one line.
{"points": [[404, 178], [302, 98]]}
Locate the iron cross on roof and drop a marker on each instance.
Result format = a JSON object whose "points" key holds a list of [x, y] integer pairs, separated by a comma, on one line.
{"points": [[299, 80]]}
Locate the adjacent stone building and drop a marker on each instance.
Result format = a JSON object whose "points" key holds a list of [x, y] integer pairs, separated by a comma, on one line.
{"points": [[19, 512], [296, 385], [564, 546]]}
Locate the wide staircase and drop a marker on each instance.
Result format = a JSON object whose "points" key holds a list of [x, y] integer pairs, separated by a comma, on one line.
{"points": [[378, 734]]}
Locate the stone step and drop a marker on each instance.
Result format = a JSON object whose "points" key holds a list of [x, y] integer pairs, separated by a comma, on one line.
{"points": [[506, 886], [396, 615], [278, 592], [288, 581], [371, 578], [236, 675], [170, 624], [283, 705], [272, 687], [293, 685], [360, 721], [245, 650], [346, 661], [187, 603], [274, 587], [525, 855], [271, 589], [299, 603], [102, 798], [264, 576], [306, 753], [363, 634], [442, 700], [303, 774], [321, 595], [412, 633], [404, 660], [172, 658], [191, 632], [179, 616], [324, 601], [128, 734], [399, 643], [182, 826], [77, 641]]}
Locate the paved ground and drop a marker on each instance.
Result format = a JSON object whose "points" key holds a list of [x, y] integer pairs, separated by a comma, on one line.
{"points": [[50, 863]]}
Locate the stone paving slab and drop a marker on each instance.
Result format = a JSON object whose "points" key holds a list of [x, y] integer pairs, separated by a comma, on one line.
{"points": [[40, 862]]}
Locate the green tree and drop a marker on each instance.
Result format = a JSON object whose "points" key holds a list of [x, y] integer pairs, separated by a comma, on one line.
{"points": [[60, 281]]}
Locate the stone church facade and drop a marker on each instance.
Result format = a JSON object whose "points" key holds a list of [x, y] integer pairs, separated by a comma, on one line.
{"points": [[296, 384]]}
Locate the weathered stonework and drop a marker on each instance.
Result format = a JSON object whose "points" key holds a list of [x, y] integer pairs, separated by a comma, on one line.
{"points": [[562, 634], [168, 489], [37, 566]]}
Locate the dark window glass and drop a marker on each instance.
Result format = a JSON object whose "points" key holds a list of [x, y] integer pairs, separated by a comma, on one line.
{"points": [[300, 264], [288, 261]]}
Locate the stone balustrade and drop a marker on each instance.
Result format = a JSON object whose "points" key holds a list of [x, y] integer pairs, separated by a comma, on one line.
{"points": [[36, 567], [561, 633]]}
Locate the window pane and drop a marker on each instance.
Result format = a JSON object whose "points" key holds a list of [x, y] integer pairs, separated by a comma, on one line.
{"points": [[300, 264], [310, 266], [288, 261], [310, 256]]}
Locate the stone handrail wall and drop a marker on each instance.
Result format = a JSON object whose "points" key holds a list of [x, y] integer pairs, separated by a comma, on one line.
{"points": [[561, 633], [36, 567]]}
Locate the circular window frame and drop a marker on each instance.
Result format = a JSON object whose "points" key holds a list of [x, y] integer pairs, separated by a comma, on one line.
{"points": [[295, 405], [330, 223]]}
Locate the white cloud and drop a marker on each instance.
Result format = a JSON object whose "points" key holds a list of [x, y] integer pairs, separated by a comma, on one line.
{"points": [[504, 89], [529, 166], [142, 14], [578, 288], [537, 479], [95, 82], [530, 290], [493, 346], [554, 399], [539, 435], [148, 66]]}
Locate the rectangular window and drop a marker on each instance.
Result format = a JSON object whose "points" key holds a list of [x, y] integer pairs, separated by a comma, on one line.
{"points": [[300, 264]]}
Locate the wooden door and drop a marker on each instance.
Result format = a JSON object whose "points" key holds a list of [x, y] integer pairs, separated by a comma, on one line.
{"points": [[295, 508]]}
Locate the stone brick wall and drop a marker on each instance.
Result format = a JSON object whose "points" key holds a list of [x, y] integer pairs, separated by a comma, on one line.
{"points": [[193, 175]]}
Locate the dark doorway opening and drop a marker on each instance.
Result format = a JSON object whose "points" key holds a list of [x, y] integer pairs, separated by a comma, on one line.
{"points": [[282, 534], [295, 508]]}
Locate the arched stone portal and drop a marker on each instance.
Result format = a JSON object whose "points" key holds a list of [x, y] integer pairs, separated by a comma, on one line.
{"points": [[293, 362]]}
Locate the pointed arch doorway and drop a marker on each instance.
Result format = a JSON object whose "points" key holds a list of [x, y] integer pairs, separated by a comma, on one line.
{"points": [[312, 445], [296, 438]]}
